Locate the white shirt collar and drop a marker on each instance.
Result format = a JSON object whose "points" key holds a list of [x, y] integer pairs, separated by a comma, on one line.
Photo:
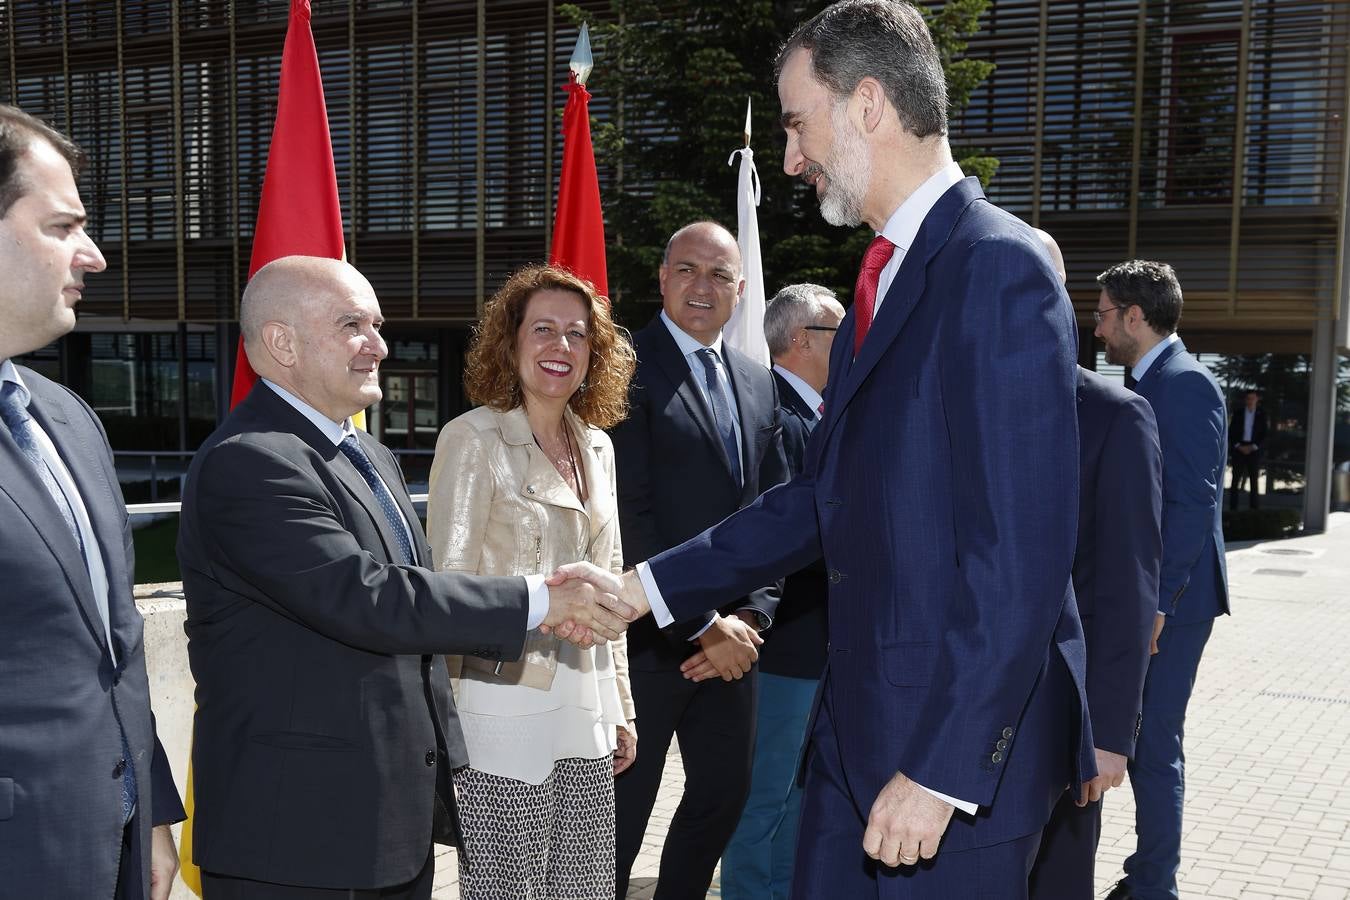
{"points": [[903, 225], [688, 344], [805, 390], [334, 431], [10, 372], [1140, 369]]}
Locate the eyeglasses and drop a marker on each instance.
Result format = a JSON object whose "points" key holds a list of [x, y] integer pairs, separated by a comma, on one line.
{"points": [[820, 327], [1099, 314]]}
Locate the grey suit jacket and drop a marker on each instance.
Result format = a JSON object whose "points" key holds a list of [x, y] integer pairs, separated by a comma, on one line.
{"points": [[325, 729], [61, 695]]}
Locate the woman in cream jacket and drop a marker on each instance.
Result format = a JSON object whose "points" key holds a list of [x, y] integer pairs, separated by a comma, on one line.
{"points": [[520, 485]]}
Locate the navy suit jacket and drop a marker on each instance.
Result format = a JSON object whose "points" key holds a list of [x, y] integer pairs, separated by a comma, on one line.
{"points": [[795, 646], [61, 695], [1115, 568], [674, 479], [942, 489], [1192, 429]]}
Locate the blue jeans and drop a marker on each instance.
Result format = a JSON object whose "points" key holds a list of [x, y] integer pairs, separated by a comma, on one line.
{"points": [[757, 864], [1158, 770]]}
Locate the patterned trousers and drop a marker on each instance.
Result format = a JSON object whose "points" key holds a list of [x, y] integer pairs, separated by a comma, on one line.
{"points": [[550, 841]]}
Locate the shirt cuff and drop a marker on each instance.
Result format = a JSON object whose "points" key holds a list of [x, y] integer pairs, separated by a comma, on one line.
{"points": [[538, 601], [660, 612], [968, 808]]}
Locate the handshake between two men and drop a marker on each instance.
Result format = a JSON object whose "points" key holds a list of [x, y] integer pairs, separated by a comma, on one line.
{"points": [[589, 605]]}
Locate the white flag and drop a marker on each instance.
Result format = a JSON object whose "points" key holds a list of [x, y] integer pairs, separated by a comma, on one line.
{"points": [[745, 329]]}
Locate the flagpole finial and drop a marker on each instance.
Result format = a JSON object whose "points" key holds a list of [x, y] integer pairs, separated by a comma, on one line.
{"points": [[747, 121], [582, 62]]}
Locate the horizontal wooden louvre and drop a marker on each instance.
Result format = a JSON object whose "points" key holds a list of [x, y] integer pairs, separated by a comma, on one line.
{"points": [[1142, 149], [1217, 143]]}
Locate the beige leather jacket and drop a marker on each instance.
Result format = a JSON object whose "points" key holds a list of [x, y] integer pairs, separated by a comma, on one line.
{"points": [[497, 506]]}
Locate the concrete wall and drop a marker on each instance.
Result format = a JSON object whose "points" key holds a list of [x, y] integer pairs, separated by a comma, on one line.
{"points": [[171, 684]]}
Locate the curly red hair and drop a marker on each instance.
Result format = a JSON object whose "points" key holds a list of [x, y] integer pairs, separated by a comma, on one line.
{"points": [[491, 371]]}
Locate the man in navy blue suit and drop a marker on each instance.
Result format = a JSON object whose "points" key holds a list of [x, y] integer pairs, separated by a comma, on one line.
{"points": [[1115, 580], [941, 487], [1137, 315], [799, 327], [86, 794]]}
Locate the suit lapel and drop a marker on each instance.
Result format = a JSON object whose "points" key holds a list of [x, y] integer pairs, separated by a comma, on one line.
{"points": [[672, 362], [1144, 386], [273, 409], [795, 402], [750, 399], [906, 290], [48, 410]]}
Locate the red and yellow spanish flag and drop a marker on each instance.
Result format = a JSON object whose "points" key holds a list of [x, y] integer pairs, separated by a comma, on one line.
{"points": [[299, 213]]}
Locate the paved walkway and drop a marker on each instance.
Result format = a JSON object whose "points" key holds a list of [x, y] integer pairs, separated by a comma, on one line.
{"points": [[1268, 740]]}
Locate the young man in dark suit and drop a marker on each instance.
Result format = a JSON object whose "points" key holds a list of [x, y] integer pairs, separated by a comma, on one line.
{"points": [[702, 440], [86, 794], [325, 728], [1247, 435], [799, 326], [1137, 315]]}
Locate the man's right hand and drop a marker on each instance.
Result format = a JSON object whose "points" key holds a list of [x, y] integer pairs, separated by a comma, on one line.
{"points": [[729, 649], [587, 601], [1158, 624]]}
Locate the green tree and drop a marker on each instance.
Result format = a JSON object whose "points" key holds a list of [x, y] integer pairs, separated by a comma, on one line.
{"points": [[677, 74]]}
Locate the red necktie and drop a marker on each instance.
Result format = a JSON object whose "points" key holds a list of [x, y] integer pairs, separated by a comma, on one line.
{"points": [[865, 291]]}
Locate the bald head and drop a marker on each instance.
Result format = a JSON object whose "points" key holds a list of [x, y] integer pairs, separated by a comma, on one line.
{"points": [[312, 326], [1056, 258]]}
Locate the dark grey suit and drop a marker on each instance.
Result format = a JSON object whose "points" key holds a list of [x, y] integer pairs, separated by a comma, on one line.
{"points": [[61, 694], [325, 729]]}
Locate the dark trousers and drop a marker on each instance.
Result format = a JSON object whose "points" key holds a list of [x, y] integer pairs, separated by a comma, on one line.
{"points": [[715, 723], [1158, 770], [1064, 867], [1246, 467], [830, 859], [226, 887]]}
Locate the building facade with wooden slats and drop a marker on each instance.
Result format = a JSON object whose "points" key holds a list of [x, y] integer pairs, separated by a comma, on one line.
{"points": [[1208, 133]]}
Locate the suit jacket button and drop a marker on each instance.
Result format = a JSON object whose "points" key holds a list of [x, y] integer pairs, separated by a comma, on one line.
{"points": [[1001, 745], [431, 757], [1007, 732], [996, 757], [119, 768], [835, 577]]}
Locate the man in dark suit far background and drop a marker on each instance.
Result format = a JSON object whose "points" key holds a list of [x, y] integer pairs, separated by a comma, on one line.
{"points": [[702, 439], [1247, 435], [325, 728], [86, 794], [1115, 581], [799, 326]]}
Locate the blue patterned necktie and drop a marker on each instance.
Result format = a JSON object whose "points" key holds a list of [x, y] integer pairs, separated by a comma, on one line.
{"points": [[351, 449], [14, 414], [726, 428]]}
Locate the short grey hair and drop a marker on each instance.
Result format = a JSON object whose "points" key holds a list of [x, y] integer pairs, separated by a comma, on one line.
{"points": [[883, 39], [791, 309]]}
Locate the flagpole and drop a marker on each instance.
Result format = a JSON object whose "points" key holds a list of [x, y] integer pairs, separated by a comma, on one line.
{"points": [[578, 223], [745, 329]]}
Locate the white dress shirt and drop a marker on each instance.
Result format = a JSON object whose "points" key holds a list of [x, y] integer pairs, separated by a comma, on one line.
{"points": [[690, 346], [903, 225], [1248, 423], [804, 390], [338, 431], [1140, 369], [93, 556]]}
